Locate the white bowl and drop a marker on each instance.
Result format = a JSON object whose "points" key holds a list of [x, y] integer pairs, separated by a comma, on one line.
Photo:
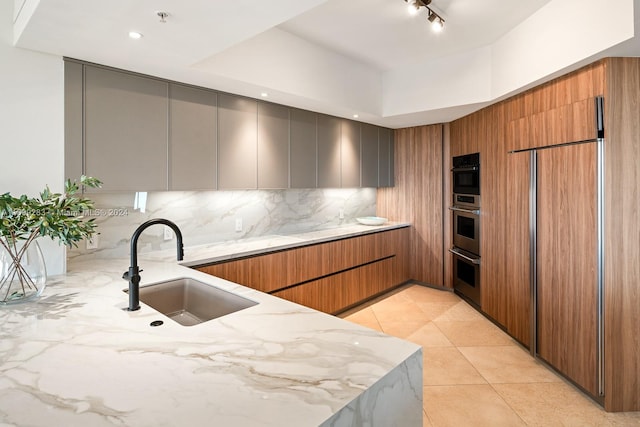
{"points": [[371, 220]]}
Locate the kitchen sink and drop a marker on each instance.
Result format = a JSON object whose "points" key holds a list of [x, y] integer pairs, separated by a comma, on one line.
{"points": [[190, 302]]}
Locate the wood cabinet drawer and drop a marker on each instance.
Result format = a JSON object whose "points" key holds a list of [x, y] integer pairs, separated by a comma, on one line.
{"points": [[374, 262], [339, 291], [279, 270]]}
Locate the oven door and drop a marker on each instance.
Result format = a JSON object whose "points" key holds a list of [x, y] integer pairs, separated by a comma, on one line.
{"points": [[466, 229], [466, 180], [466, 275]]}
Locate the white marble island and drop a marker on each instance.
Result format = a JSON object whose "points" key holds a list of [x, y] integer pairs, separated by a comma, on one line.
{"points": [[77, 357]]}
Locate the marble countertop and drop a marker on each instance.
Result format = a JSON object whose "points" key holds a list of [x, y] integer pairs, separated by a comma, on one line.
{"points": [[224, 251], [76, 356]]}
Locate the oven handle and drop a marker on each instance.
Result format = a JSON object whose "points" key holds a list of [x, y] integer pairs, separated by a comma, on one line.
{"points": [[475, 261], [471, 211], [466, 169]]}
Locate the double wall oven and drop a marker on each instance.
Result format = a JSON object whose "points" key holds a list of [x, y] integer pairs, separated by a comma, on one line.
{"points": [[466, 227]]}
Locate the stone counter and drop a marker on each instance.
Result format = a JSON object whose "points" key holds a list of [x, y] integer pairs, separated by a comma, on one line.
{"points": [[225, 251], [77, 357]]}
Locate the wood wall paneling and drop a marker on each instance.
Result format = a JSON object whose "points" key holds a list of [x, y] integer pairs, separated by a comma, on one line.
{"points": [[427, 252], [417, 197], [516, 290], [622, 235], [447, 200], [562, 111]]}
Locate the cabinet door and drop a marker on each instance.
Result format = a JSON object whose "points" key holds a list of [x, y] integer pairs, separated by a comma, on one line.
{"points": [[73, 120], [303, 150], [237, 142], [385, 158], [273, 146], [328, 151], [126, 130], [350, 154], [567, 261], [369, 144], [192, 138]]}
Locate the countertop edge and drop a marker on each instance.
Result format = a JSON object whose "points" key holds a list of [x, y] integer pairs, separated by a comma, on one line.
{"points": [[303, 241]]}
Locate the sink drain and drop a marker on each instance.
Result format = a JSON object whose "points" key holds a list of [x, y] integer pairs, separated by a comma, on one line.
{"points": [[156, 323]]}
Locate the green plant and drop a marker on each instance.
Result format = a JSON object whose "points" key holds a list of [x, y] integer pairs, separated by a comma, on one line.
{"points": [[60, 216], [57, 215]]}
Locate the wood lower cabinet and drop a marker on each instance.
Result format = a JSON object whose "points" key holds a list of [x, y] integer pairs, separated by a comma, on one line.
{"points": [[327, 276], [334, 293]]}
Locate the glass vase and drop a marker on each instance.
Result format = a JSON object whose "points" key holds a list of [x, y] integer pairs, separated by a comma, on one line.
{"points": [[23, 274]]}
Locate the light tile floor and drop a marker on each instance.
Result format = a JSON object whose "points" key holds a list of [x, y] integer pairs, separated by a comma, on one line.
{"points": [[474, 373]]}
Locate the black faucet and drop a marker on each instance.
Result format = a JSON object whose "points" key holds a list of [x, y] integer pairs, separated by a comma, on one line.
{"points": [[133, 275]]}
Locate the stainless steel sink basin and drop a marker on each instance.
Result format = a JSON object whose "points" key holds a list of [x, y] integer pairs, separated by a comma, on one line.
{"points": [[190, 302]]}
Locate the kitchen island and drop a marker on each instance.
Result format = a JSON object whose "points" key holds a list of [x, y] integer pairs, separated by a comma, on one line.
{"points": [[76, 356]]}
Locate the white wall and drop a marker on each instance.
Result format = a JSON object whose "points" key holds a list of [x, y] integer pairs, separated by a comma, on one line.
{"points": [[32, 124]]}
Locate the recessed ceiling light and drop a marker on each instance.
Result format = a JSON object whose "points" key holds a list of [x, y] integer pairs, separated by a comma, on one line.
{"points": [[264, 95], [355, 116], [135, 35]]}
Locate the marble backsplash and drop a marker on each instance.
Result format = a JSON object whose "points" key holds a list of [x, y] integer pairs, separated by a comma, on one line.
{"points": [[210, 216]]}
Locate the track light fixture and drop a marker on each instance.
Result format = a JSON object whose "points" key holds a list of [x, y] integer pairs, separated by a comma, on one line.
{"points": [[437, 23]]}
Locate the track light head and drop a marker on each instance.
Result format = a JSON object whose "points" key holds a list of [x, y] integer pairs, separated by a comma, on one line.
{"points": [[413, 6], [437, 23]]}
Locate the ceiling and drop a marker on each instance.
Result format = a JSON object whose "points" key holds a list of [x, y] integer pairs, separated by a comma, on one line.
{"points": [[382, 34], [341, 57]]}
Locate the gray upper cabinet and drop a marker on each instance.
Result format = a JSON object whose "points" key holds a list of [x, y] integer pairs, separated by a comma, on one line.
{"points": [[303, 149], [329, 165], [192, 138], [369, 162], [385, 158], [237, 142], [273, 146], [350, 154], [73, 131], [125, 141], [139, 133]]}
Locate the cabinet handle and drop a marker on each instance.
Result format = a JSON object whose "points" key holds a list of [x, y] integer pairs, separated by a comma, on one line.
{"points": [[471, 211], [475, 261]]}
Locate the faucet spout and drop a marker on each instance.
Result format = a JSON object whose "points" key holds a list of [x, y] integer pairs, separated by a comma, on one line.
{"points": [[133, 274]]}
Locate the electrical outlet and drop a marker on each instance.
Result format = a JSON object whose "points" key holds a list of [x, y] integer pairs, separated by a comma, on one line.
{"points": [[168, 233], [341, 214], [238, 224], [92, 243]]}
